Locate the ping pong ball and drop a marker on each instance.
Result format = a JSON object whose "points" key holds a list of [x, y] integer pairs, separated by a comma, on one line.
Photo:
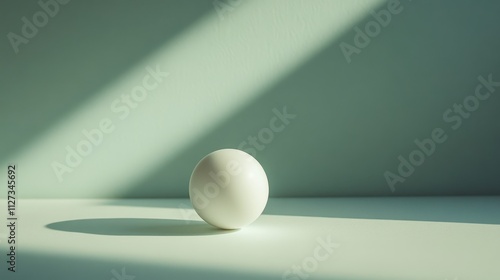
{"points": [[229, 189]]}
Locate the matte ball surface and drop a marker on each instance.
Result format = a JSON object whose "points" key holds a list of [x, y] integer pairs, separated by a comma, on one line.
{"points": [[229, 189]]}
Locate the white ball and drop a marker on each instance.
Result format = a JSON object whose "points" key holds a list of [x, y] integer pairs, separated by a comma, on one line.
{"points": [[229, 189]]}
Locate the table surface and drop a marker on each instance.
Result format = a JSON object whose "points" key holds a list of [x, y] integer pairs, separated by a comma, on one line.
{"points": [[301, 238]]}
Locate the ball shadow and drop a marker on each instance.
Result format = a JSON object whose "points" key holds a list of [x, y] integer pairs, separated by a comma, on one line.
{"points": [[138, 227]]}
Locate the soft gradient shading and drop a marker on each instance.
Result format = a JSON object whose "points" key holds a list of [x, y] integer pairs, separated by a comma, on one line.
{"points": [[227, 76], [219, 81], [86, 239]]}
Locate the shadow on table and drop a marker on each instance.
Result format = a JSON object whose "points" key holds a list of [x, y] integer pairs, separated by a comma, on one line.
{"points": [[476, 210], [137, 227], [62, 266]]}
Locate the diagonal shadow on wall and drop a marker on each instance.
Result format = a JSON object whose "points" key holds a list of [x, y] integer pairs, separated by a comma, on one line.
{"points": [[82, 49], [354, 119]]}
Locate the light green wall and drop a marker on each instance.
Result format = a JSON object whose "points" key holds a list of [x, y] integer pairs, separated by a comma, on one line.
{"points": [[228, 71]]}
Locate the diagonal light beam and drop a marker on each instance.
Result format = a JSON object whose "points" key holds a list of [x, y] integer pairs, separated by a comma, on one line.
{"points": [[215, 68]]}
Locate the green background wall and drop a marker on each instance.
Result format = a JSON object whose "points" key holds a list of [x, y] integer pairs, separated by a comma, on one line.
{"points": [[352, 120]]}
